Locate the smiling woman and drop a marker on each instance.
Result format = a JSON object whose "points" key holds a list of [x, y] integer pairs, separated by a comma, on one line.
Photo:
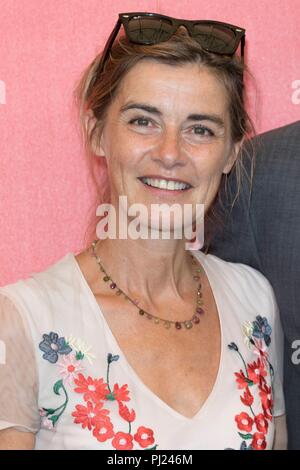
{"points": [[136, 341]]}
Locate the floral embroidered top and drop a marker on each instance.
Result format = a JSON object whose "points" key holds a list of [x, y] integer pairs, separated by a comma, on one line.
{"points": [[64, 377]]}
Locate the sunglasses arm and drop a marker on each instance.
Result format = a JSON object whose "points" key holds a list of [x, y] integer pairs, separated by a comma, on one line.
{"points": [[242, 48], [108, 46]]}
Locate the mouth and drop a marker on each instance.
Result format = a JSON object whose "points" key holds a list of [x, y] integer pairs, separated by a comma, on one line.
{"points": [[165, 184]]}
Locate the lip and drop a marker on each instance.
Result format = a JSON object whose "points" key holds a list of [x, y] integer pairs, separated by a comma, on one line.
{"points": [[160, 177]]}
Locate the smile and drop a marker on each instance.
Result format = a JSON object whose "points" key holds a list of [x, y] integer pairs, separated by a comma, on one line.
{"points": [[169, 185]]}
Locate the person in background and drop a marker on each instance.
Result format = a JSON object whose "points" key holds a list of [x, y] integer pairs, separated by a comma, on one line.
{"points": [[263, 231]]}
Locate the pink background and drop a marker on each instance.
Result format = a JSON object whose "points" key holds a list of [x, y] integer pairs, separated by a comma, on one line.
{"points": [[45, 190]]}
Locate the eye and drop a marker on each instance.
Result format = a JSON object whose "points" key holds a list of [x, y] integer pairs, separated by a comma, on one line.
{"points": [[141, 121], [204, 131]]}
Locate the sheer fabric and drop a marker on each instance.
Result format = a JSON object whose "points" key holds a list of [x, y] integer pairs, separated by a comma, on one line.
{"points": [[18, 371]]}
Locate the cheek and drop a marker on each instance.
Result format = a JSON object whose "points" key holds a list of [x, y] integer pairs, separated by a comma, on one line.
{"points": [[121, 167], [210, 165]]}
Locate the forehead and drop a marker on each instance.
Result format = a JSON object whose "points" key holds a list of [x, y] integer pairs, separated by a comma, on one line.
{"points": [[170, 88]]}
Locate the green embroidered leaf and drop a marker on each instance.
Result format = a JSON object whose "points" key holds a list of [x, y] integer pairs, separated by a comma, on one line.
{"points": [[245, 436], [57, 386], [110, 397], [49, 411], [79, 355], [151, 448], [250, 383], [54, 418]]}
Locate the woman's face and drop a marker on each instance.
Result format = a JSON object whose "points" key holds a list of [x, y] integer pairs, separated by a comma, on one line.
{"points": [[182, 135]]}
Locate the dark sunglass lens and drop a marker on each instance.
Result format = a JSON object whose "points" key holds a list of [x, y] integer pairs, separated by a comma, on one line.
{"points": [[215, 38], [147, 30]]}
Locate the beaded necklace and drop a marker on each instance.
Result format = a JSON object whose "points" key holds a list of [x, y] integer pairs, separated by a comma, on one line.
{"points": [[188, 324]]}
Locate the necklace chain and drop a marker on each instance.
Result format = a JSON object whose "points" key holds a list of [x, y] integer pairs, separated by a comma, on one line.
{"points": [[187, 324]]}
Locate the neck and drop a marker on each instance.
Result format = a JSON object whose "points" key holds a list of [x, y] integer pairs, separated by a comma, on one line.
{"points": [[151, 270]]}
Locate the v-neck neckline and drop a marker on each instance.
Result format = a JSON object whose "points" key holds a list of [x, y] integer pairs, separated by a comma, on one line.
{"points": [[203, 258]]}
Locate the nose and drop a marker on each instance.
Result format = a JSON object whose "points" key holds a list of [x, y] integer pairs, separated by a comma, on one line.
{"points": [[168, 152]]}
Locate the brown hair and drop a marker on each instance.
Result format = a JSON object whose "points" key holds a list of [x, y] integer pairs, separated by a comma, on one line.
{"points": [[95, 92]]}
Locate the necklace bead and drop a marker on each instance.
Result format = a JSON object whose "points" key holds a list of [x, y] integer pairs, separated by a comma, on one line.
{"points": [[200, 310]]}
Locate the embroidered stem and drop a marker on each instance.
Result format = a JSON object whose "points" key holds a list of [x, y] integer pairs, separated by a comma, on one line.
{"points": [[56, 388], [247, 375], [64, 406], [107, 378]]}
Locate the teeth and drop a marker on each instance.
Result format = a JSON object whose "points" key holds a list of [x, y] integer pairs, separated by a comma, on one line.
{"points": [[165, 184]]}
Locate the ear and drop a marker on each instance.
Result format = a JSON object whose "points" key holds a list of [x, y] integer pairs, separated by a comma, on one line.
{"points": [[89, 122], [233, 156]]}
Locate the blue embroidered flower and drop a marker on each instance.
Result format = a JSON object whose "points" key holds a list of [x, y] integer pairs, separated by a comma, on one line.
{"points": [[262, 329], [233, 346], [244, 446], [111, 358], [52, 346]]}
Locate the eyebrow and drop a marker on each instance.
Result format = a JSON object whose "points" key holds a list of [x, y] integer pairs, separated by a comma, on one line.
{"points": [[191, 117]]}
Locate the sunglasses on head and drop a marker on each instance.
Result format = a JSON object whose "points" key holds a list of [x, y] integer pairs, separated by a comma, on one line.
{"points": [[153, 28]]}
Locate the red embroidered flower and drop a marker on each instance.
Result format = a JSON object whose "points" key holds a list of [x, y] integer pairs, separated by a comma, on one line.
{"points": [[258, 442], [103, 431], [265, 394], [244, 422], [267, 413], [144, 436], [122, 441], [90, 414], [241, 379], [93, 389], [124, 412], [121, 394], [256, 371], [261, 423], [247, 397]]}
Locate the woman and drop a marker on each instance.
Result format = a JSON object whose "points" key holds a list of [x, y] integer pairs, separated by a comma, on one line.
{"points": [[140, 343]]}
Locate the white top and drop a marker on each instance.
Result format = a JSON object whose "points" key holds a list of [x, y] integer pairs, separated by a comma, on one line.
{"points": [[64, 376]]}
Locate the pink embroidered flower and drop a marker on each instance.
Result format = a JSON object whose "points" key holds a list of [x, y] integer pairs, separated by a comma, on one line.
{"points": [[46, 423], [121, 394], [261, 350], [90, 415], [69, 368], [124, 412], [122, 441], [103, 431], [244, 422], [261, 423], [92, 389], [247, 397], [259, 441], [144, 436]]}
